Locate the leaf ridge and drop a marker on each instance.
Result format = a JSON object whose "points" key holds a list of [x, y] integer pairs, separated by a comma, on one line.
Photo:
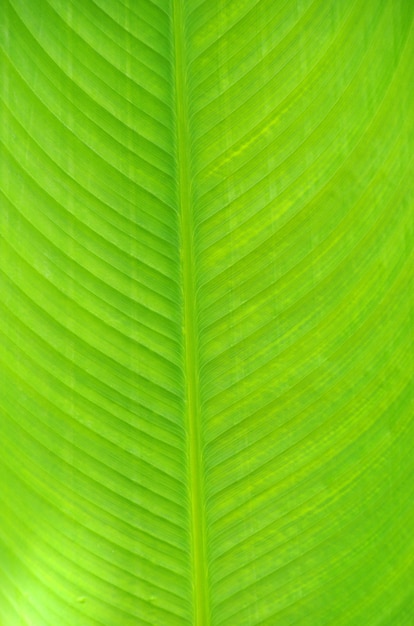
{"points": [[190, 331]]}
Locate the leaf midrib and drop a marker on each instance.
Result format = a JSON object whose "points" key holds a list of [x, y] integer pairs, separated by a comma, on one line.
{"points": [[189, 329]]}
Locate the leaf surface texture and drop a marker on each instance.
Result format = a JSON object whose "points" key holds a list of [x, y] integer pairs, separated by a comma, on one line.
{"points": [[206, 315]]}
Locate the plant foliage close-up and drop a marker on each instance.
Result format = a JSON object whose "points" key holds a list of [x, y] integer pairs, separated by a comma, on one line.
{"points": [[206, 313]]}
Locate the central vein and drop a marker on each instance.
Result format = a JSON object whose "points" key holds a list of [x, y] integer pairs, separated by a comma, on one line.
{"points": [[191, 366]]}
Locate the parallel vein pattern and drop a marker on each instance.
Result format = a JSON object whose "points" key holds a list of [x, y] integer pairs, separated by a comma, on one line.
{"points": [[206, 253], [94, 488], [301, 127]]}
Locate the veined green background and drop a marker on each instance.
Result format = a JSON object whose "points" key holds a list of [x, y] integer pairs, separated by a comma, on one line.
{"points": [[206, 313]]}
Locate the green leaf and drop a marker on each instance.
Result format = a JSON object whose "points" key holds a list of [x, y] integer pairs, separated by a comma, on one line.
{"points": [[206, 315]]}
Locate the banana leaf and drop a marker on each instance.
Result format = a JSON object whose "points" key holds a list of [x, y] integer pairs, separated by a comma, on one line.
{"points": [[206, 313]]}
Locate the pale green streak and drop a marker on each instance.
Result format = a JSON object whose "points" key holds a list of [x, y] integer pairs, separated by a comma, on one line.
{"points": [[191, 366]]}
